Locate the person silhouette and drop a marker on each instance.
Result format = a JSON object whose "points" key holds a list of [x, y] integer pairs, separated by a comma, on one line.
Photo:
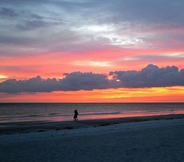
{"points": [[75, 115]]}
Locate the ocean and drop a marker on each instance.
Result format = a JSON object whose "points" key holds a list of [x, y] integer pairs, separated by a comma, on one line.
{"points": [[54, 112]]}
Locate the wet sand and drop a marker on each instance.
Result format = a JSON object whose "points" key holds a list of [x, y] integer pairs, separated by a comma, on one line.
{"points": [[26, 127]]}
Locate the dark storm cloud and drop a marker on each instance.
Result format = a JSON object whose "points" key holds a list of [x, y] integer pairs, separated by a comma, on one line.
{"points": [[135, 10], [162, 12], [29, 25], [30, 15], [7, 12], [150, 76], [32, 85], [72, 82], [86, 81]]}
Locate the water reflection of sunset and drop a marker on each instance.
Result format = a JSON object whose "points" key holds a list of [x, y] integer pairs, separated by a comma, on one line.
{"points": [[114, 116]]}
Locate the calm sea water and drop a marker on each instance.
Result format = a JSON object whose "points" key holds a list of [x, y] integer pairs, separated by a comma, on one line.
{"points": [[22, 112]]}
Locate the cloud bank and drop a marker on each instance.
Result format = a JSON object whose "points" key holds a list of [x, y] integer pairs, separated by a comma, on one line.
{"points": [[150, 76]]}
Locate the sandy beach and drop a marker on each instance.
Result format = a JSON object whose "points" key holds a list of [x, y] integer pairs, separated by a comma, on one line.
{"points": [[155, 139]]}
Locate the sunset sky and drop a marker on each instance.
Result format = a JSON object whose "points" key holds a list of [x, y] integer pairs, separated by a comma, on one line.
{"points": [[91, 51]]}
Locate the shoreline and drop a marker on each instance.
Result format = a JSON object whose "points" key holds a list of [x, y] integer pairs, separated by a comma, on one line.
{"points": [[142, 139], [43, 126]]}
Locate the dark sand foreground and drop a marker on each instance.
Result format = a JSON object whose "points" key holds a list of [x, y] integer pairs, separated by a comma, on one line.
{"points": [[140, 139]]}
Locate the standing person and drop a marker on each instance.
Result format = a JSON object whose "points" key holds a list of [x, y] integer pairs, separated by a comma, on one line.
{"points": [[75, 115]]}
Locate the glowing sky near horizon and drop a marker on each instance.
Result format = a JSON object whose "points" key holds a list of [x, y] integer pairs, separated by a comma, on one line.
{"points": [[91, 51]]}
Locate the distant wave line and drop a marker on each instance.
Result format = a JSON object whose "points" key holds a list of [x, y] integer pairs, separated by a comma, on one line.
{"points": [[58, 114]]}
